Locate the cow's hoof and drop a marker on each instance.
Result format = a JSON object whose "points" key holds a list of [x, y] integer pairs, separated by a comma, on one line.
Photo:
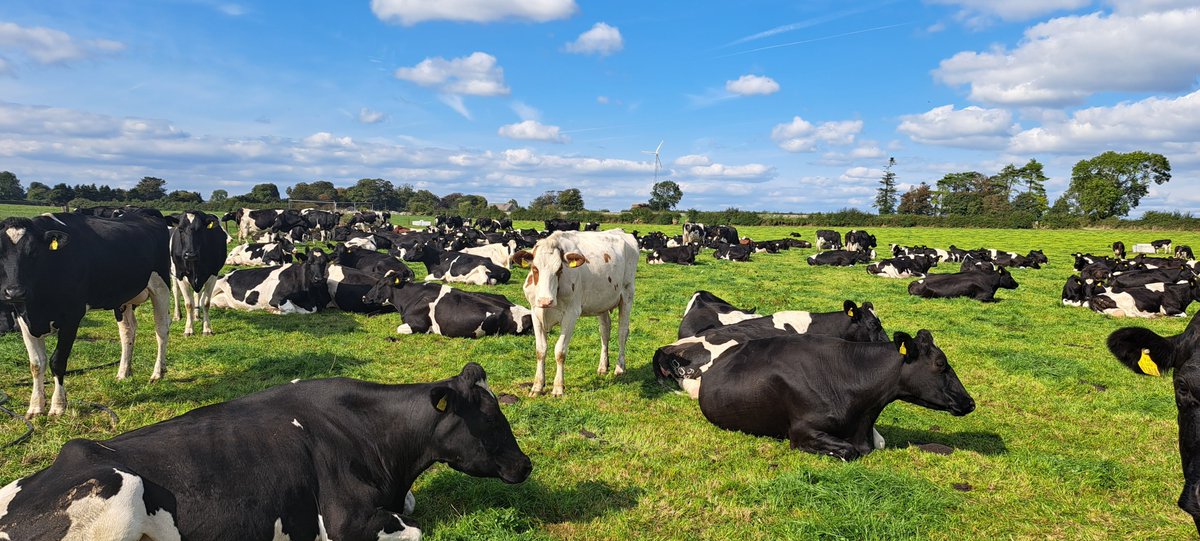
{"points": [[188, 333], [208, 332], [557, 392], [602, 370], [155, 377], [618, 371], [33, 412], [57, 410], [404, 329]]}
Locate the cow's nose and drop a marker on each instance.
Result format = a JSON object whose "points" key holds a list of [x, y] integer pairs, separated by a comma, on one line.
{"points": [[14, 293], [545, 303], [189, 255]]}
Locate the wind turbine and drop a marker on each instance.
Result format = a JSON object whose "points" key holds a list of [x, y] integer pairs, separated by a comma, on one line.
{"points": [[657, 161]]}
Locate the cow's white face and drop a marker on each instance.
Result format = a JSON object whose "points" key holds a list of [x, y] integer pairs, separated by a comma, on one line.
{"points": [[546, 266]]}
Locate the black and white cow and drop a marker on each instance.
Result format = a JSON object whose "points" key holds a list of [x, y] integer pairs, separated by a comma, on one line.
{"points": [[591, 226], [1145, 352], [859, 241], [292, 288], [317, 459], [559, 224], [321, 221], [693, 232], [55, 267], [733, 252], [1142, 277], [258, 254], [901, 267], [828, 239], [1184, 251], [448, 222], [1118, 249], [1075, 292], [841, 258], [1009, 259], [197, 255], [679, 255], [1161, 245], [373, 263], [706, 311], [457, 266], [824, 394], [252, 221], [348, 288], [978, 284], [441, 309], [1148, 300]]}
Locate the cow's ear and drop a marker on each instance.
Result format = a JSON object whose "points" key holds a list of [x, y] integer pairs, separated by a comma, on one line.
{"points": [[851, 309], [522, 259], [56, 239], [1142, 350], [906, 346], [300, 256], [574, 259], [442, 398]]}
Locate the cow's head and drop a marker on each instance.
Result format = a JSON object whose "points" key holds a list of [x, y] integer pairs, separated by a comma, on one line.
{"points": [[472, 435], [315, 264], [381, 292], [188, 234], [546, 263], [1006, 278], [926, 377], [864, 324], [1038, 257], [26, 251]]}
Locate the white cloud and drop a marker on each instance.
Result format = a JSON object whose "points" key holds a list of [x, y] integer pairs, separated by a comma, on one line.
{"points": [[800, 135], [368, 116], [59, 122], [1065, 60], [410, 12], [1012, 10], [602, 100], [526, 111], [752, 85], [1135, 7], [454, 101], [867, 150], [1154, 122], [749, 172], [49, 46], [232, 10], [692, 160], [861, 174], [474, 75], [532, 130], [970, 127], [602, 39]]}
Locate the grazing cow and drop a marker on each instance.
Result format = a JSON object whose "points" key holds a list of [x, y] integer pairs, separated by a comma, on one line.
{"points": [[1161, 245], [321, 221], [840, 258], [364, 220], [448, 222], [859, 241], [1118, 250], [197, 254], [559, 224], [733, 252], [705, 311], [348, 288], [828, 239], [318, 459], [591, 226], [1145, 352], [441, 309], [824, 394], [977, 284], [258, 254], [55, 267], [679, 255], [457, 266], [1148, 300], [579, 274], [1184, 251], [292, 288], [900, 267], [687, 359]]}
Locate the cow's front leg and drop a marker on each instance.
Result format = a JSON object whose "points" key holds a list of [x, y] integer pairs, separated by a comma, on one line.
{"points": [[127, 330], [560, 351], [605, 334], [58, 366], [821, 443], [539, 345], [624, 312], [36, 348], [382, 525]]}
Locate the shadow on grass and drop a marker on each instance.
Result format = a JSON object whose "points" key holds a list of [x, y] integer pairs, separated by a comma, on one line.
{"points": [[325, 323], [448, 496], [984, 443]]}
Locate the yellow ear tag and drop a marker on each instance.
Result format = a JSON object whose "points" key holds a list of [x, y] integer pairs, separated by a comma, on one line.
{"points": [[1147, 365], [850, 312], [441, 405], [397, 281], [524, 264], [53, 244], [574, 263], [210, 225], [903, 350]]}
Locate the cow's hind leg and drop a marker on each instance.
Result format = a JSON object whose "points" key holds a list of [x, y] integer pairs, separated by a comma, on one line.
{"points": [[814, 441], [205, 300], [127, 329], [605, 334], [626, 307], [184, 288], [160, 297], [36, 348]]}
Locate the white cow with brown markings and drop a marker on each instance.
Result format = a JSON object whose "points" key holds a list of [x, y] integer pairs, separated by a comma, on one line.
{"points": [[574, 274]]}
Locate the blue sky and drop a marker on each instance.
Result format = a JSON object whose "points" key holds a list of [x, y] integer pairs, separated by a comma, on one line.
{"points": [[787, 106]]}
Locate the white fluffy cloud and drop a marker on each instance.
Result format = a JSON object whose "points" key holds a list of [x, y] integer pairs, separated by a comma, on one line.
{"points": [[752, 85], [749, 173], [602, 39], [800, 135], [1012, 10], [861, 174], [969, 127], [368, 116], [1065, 60], [1152, 121], [474, 75], [49, 46], [691, 160], [532, 130], [410, 12]]}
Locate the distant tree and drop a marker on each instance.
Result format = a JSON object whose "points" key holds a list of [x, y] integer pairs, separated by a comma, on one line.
{"points": [[570, 199], [1112, 184], [60, 194], [10, 187], [87, 191], [105, 193], [321, 190], [450, 201], [885, 196], [376, 191], [265, 193], [181, 196], [38, 192], [149, 189], [471, 204], [917, 200], [404, 194], [665, 195], [548, 200], [423, 202], [218, 196]]}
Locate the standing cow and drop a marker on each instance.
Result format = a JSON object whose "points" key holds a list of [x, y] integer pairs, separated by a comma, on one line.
{"points": [[197, 253], [574, 274], [55, 267]]}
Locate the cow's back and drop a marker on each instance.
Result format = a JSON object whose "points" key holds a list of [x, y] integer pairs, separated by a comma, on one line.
{"points": [[612, 258], [106, 261]]}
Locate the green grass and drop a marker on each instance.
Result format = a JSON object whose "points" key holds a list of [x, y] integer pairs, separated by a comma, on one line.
{"points": [[25, 210], [1065, 443]]}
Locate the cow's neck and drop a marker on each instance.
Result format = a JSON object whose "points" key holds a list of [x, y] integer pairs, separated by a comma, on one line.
{"points": [[404, 425]]}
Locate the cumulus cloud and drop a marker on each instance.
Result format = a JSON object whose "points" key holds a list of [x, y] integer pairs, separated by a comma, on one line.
{"points": [[970, 127], [532, 130], [410, 12], [800, 135], [1153, 121], [368, 116], [1065, 60], [692, 160], [474, 75], [602, 39], [49, 46], [861, 174], [747, 173], [60, 122], [752, 85], [1011, 10], [526, 111], [867, 150]]}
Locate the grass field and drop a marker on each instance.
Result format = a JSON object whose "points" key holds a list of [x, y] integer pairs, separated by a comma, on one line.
{"points": [[1065, 443]]}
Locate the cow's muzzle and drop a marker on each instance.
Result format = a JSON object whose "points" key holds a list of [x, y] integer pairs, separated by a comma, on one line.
{"points": [[14, 294]]}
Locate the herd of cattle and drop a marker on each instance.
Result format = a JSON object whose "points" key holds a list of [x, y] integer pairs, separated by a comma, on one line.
{"points": [[340, 465]]}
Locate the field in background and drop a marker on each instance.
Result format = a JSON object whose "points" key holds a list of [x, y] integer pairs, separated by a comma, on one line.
{"points": [[1065, 442], [25, 210]]}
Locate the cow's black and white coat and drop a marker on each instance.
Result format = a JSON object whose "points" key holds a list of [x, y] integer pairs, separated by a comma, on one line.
{"points": [[1146, 300], [733, 252], [705, 311], [980, 285], [293, 288], [348, 288], [457, 266], [331, 459], [258, 254], [841, 258], [197, 253], [828, 239], [901, 267], [679, 255], [441, 309]]}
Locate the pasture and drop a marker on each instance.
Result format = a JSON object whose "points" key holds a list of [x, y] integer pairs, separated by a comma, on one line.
{"points": [[1065, 443]]}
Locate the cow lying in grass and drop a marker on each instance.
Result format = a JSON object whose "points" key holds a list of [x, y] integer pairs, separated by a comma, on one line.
{"points": [[980, 285], [441, 309], [292, 288]]}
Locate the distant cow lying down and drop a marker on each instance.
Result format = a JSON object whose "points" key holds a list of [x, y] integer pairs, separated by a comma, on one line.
{"points": [[441, 309], [292, 288]]}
